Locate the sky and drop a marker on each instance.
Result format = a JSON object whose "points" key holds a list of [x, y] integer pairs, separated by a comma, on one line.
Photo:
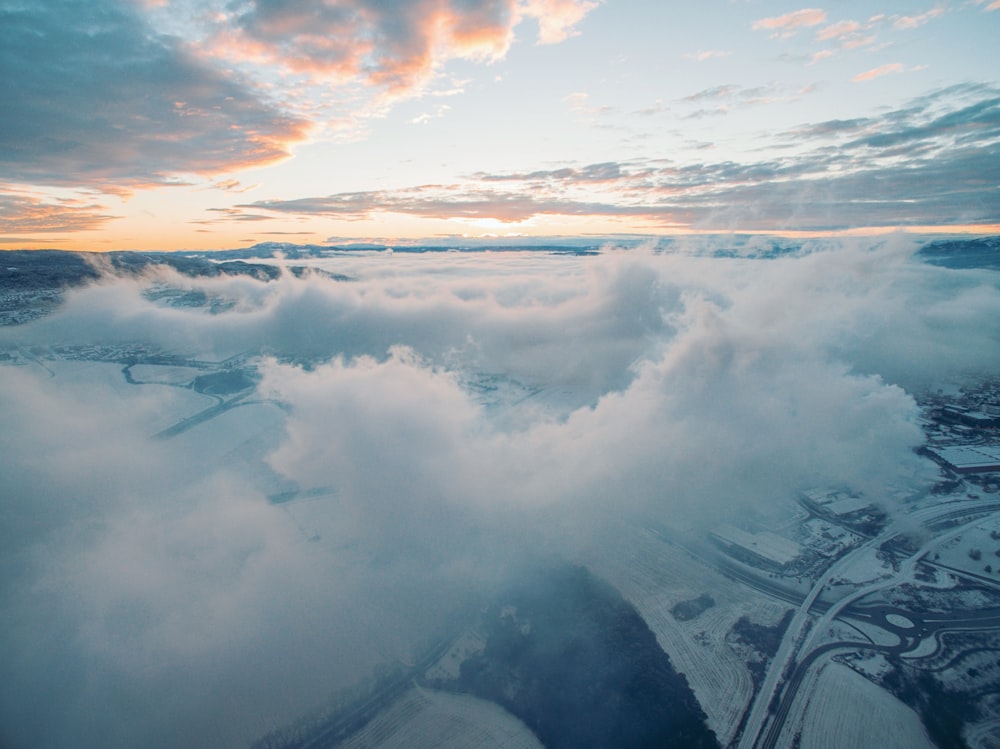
{"points": [[459, 414], [209, 124]]}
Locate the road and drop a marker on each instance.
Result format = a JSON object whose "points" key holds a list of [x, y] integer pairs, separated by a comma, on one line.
{"points": [[240, 399], [909, 638], [789, 648], [795, 652]]}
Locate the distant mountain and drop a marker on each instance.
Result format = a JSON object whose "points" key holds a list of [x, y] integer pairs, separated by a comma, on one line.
{"points": [[982, 252], [24, 270], [59, 269], [32, 282], [139, 262]]}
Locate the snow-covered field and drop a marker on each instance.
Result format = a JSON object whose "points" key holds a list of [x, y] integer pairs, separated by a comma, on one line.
{"points": [[425, 719], [865, 567], [976, 551], [838, 708]]}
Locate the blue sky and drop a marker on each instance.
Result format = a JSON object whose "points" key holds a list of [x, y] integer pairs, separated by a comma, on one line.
{"points": [[168, 124]]}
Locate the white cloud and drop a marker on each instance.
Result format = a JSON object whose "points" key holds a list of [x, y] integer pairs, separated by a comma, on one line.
{"points": [[789, 24], [707, 54]]}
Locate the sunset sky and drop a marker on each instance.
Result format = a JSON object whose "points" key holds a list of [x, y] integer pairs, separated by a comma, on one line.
{"points": [[197, 124]]}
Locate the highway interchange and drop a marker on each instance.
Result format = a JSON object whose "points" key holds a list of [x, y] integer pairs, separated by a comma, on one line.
{"points": [[802, 645]]}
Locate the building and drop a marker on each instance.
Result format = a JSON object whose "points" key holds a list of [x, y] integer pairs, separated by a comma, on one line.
{"points": [[985, 419], [764, 548], [968, 458], [834, 503]]}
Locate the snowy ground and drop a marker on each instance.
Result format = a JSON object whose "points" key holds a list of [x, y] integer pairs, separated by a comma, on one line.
{"points": [[426, 719], [865, 567], [976, 551], [837, 708]]}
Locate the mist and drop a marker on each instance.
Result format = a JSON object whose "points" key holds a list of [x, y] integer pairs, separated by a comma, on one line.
{"points": [[436, 423]]}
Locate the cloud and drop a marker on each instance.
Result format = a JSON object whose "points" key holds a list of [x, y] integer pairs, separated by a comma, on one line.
{"points": [[892, 67], [707, 54], [848, 35], [234, 185], [30, 214], [913, 22], [846, 173], [167, 615], [454, 412], [604, 172], [439, 111], [93, 97], [790, 23], [438, 202], [231, 214], [838, 30], [716, 92], [579, 103], [395, 45], [556, 18], [959, 116], [728, 97]]}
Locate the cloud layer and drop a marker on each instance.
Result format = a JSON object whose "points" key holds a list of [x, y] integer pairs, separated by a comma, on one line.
{"points": [[456, 412]]}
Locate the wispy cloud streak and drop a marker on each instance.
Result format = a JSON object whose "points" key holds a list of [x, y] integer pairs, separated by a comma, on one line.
{"points": [[868, 75], [790, 23], [30, 214]]}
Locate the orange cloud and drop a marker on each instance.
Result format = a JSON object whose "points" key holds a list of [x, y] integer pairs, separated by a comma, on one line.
{"points": [[912, 22], [838, 30], [790, 23], [397, 45], [892, 67], [848, 34], [858, 41], [315, 54], [556, 18], [234, 185], [24, 213]]}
